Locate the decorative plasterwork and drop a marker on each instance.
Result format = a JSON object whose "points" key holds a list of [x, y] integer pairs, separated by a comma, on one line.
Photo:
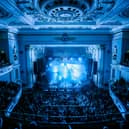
{"points": [[113, 22], [65, 37], [65, 10], [124, 13], [58, 13], [4, 14]]}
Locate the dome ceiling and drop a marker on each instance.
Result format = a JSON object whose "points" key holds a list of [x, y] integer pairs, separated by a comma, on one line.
{"points": [[65, 10], [55, 12]]}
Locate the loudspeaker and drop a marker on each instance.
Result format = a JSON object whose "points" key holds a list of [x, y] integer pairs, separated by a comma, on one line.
{"points": [[95, 67], [39, 66], [90, 63], [35, 67], [126, 57]]}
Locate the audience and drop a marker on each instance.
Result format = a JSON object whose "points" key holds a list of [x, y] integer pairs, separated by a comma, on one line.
{"points": [[121, 90], [59, 106], [87, 104], [8, 91]]}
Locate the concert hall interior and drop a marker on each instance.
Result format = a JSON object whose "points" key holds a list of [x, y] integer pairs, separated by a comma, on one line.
{"points": [[64, 64]]}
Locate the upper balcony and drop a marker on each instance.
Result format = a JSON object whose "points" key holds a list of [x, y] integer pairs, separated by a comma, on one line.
{"points": [[6, 69], [119, 92]]}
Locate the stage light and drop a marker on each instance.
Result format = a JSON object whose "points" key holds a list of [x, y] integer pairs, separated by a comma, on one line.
{"points": [[55, 69], [71, 59], [69, 66], [76, 74], [60, 77], [80, 59], [50, 58], [65, 72], [62, 64], [50, 64]]}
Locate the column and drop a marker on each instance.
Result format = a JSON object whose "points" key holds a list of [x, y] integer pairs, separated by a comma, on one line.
{"points": [[29, 67], [101, 50]]}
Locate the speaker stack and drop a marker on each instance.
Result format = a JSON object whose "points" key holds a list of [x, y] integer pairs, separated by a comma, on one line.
{"points": [[95, 67]]}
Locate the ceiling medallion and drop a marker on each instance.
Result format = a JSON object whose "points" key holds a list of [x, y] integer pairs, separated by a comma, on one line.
{"points": [[65, 13], [125, 13], [4, 13], [65, 10]]}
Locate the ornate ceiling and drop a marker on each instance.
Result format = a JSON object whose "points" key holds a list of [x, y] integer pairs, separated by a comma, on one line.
{"points": [[35, 13]]}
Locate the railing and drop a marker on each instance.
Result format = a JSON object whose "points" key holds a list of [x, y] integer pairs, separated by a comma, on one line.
{"points": [[118, 103], [5, 70], [15, 100], [60, 119]]}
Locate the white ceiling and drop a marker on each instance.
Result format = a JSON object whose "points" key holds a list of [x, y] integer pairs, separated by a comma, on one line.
{"points": [[61, 13]]}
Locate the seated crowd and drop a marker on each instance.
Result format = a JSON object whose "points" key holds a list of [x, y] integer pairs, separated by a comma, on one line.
{"points": [[85, 105], [121, 90], [8, 91]]}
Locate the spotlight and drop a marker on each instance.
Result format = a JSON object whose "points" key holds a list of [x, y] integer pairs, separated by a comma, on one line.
{"points": [[69, 66], [50, 64], [76, 74], [55, 69], [71, 58], [80, 59], [60, 77], [50, 58], [62, 64], [65, 72]]}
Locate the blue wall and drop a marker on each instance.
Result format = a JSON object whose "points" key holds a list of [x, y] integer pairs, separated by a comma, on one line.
{"points": [[8, 40], [75, 36], [121, 42]]}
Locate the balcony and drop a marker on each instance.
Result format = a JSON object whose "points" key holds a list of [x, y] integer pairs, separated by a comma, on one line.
{"points": [[5, 70], [119, 91]]}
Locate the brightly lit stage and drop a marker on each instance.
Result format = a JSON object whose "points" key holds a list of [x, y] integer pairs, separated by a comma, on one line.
{"points": [[66, 72], [63, 67]]}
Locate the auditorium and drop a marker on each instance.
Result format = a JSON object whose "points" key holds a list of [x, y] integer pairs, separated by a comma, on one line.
{"points": [[64, 64]]}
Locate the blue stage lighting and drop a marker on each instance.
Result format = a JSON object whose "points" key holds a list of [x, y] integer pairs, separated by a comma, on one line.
{"points": [[62, 64], [66, 72], [71, 59], [50, 58], [69, 66], [55, 69], [50, 64], [80, 59], [76, 74]]}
